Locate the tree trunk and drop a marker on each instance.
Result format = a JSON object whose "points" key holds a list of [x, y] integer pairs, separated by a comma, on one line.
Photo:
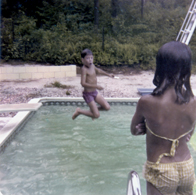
{"points": [[114, 5], [142, 8], [103, 39], [96, 13]]}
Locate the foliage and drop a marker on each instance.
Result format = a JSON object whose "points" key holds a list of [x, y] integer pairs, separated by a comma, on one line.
{"points": [[57, 84], [56, 31]]}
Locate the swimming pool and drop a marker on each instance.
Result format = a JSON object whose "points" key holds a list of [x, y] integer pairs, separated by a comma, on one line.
{"points": [[55, 155]]}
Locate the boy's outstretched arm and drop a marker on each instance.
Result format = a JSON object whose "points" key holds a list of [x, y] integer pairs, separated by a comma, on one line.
{"points": [[99, 71]]}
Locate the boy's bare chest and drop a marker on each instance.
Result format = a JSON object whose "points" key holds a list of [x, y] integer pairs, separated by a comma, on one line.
{"points": [[91, 72]]}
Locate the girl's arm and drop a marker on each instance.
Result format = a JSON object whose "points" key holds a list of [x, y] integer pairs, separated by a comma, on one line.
{"points": [[138, 121]]}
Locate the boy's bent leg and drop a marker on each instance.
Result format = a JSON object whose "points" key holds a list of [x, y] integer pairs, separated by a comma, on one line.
{"points": [[102, 102], [93, 112]]}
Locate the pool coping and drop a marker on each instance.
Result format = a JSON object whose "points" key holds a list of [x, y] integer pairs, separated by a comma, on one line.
{"points": [[19, 120], [19, 107]]}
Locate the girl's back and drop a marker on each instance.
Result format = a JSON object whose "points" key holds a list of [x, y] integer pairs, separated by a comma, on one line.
{"points": [[165, 118]]}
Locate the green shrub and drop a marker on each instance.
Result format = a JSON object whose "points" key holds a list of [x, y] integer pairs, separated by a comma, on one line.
{"points": [[60, 30]]}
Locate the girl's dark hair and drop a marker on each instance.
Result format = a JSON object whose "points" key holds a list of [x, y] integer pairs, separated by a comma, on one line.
{"points": [[173, 67], [86, 52]]}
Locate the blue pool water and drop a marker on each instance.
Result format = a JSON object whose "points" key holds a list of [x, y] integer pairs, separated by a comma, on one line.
{"points": [[55, 155]]}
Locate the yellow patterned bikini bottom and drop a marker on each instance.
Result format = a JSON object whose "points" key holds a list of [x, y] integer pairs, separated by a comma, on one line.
{"points": [[171, 178]]}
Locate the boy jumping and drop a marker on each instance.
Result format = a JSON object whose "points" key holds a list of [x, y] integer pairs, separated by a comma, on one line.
{"points": [[89, 82]]}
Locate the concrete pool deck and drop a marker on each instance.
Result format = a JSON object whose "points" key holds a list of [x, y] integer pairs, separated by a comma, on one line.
{"points": [[19, 107], [16, 108]]}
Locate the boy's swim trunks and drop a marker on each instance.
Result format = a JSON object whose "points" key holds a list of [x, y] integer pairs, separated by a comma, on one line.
{"points": [[89, 96], [171, 178]]}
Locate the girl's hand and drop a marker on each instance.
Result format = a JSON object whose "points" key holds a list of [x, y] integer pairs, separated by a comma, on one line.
{"points": [[188, 137], [141, 129]]}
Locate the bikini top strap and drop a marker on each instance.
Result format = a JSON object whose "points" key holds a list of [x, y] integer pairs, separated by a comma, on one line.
{"points": [[175, 143]]}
